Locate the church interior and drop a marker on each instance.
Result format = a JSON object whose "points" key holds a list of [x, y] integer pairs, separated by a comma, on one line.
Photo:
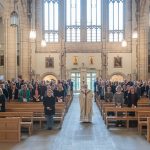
{"points": [[50, 44]]}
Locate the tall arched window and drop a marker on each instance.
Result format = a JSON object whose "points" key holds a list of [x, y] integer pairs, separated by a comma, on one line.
{"points": [[73, 20], [51, 20], [93, 20], [116, 20]]}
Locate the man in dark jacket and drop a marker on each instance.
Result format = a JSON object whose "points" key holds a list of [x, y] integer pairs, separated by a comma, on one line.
{"points": [[2, 101], [49, 108]]}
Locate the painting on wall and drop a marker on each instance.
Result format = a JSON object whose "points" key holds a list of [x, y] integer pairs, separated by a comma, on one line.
{"points": [[75, 60], [117, 62], [49, 62], [91, 60]]}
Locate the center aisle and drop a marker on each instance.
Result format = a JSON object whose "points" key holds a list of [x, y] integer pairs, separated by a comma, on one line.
{"points": [[81, 136]]}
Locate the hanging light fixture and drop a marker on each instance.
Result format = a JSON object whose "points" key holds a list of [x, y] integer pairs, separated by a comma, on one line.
{"points": [[124, 43], [14, 19], [135, 34], [32, 34], [43, 43]]}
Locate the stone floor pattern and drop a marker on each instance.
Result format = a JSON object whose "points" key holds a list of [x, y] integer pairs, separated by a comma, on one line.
{"points": [[81, 136]]}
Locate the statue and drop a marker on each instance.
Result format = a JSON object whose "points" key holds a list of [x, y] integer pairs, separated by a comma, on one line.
{"points": [[75, 60], [91, 60]]}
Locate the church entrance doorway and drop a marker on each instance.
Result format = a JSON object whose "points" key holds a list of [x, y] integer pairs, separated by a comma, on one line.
{"points": [[118, 78], [49, 78], [91, 78], [75, 77]]}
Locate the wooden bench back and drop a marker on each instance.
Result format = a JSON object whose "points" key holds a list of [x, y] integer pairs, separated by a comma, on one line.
{"points": [[148, 129], [31, 107], [9, 129], [143, 102], [125, 110], [143, 115], [16, 114]]}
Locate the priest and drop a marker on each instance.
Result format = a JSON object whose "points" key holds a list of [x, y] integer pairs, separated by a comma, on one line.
{"points": [[85, 98]]}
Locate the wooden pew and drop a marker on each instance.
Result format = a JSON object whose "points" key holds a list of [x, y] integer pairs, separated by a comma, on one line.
{"points": [[143, 102], [26, 119], [148, 129], [102, 104], [142, 120], [38, 110], [125, 115], [10, 130], [105, 106], [125, 110]]}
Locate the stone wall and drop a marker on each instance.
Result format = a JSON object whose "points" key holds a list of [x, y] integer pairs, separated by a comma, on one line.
{"points": [[32, 55]]}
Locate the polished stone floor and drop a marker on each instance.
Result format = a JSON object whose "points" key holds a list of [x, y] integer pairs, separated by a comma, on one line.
{"points": [[78, 136]]}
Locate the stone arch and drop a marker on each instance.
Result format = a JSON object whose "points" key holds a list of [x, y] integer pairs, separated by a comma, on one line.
{"points": [[117, 76], [49, 76]]}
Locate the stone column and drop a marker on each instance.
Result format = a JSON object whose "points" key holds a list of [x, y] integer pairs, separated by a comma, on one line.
{"points": [[104, 39], [143, 28], [62, 39], [25, 54], [11, 45]]}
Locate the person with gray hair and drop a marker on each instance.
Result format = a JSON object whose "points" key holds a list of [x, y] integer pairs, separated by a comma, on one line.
{"points": [[108, 95], [118, 97]]}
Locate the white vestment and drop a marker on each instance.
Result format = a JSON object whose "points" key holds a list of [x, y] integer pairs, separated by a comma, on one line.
{"points": [[86, 111]]}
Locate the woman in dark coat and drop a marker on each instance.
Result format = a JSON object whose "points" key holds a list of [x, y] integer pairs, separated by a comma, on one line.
{"points": [[13, 92], [36, 93], [49, 108], [132, 97], [59, 93], [2, 101]]}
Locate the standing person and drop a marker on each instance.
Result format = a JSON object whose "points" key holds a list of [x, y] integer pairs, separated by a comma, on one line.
{"points": [[49, 108], [96, 89], [71, 87], [85, 99], [132, 97], [2, 101], [118, 96], [102, 90], [24, 94], [36, 93], [13, 92], [30, 86], [126, 93], [43, 90], [108, 95], [5, 91], [59, 93]]}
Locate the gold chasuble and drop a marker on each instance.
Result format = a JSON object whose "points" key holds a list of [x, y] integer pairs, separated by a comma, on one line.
{"points": [[85, 99]]}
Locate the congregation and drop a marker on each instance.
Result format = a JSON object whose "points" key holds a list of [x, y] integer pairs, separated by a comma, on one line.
{"points": [[122, 93], [34, 91]]}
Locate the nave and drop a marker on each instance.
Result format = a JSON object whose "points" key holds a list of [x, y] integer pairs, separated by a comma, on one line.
{"points": [[80, 136]]}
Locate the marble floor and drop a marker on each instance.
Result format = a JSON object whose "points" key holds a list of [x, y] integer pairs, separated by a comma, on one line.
{"points": [[78, 136]]}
